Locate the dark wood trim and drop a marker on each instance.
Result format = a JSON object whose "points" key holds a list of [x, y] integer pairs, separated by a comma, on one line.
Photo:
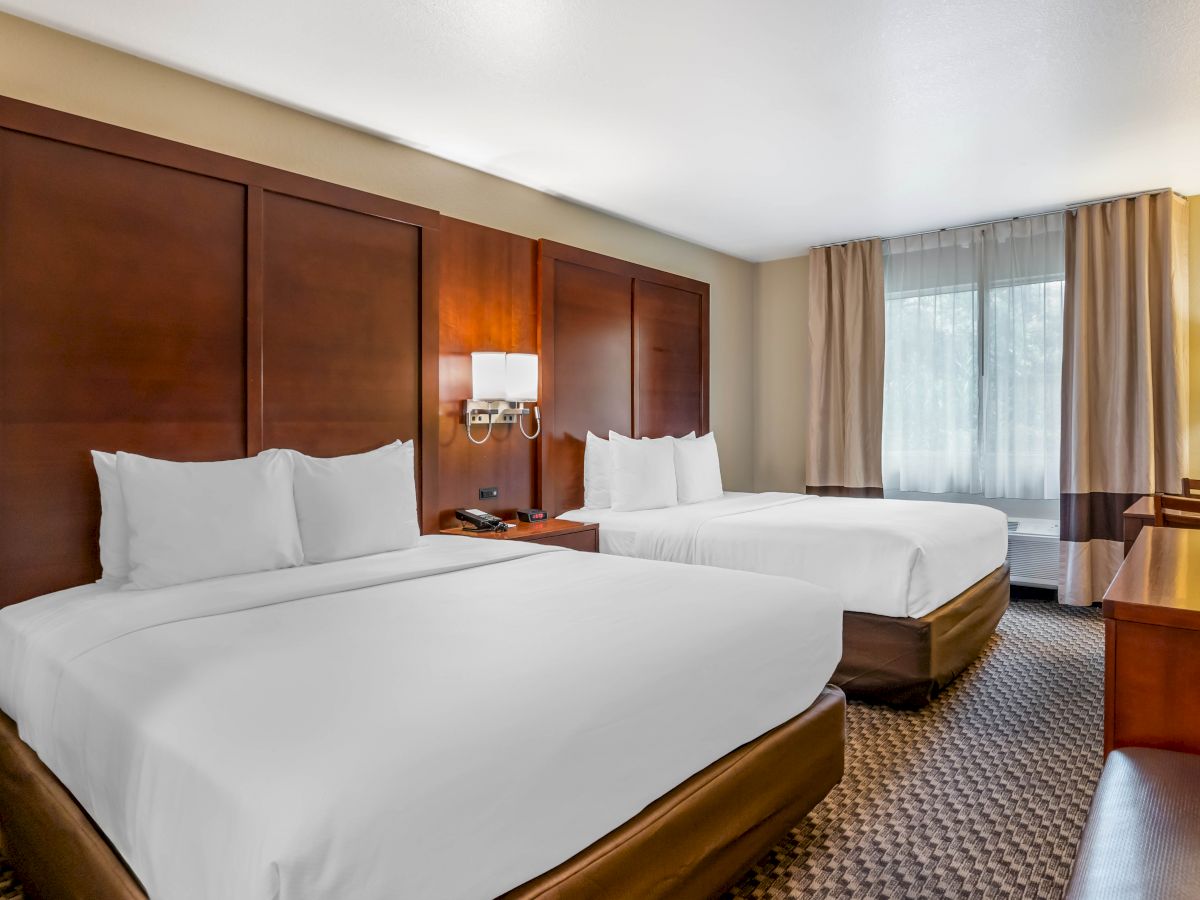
{"points": [[427, 459], [254, 320], [544, 383], [637, 414], [1110, 657], [705, 346], [17, 115], [593, 260], [544, 274]]}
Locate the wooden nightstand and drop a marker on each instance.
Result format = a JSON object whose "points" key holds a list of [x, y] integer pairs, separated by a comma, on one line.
{"points": [[559, 532]]}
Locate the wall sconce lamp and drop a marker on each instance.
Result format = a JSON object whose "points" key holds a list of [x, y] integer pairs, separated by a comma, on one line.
{"points": [[501, 385]]}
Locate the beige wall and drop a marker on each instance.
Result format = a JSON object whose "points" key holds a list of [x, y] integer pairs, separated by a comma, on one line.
{"points": [[781, 374], [53, 69]]}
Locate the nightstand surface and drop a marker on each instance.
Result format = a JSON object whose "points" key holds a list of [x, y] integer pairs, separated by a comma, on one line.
{"points": [[559, 532]]}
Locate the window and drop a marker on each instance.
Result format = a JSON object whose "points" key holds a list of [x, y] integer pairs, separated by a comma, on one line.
{"points": [[973, 359]]}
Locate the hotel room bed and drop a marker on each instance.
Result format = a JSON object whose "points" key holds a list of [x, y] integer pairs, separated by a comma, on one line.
{"points": [[571, 724], [924, 584]]}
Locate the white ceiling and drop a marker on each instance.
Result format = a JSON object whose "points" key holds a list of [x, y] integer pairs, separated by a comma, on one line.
{"points": [[758, 127]]}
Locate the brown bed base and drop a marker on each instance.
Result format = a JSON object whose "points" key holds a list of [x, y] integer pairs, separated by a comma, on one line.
{"points": [[692, 842], [906, 662]]}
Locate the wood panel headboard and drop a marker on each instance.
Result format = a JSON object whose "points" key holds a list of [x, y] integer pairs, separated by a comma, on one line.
{"points": [[172, 301], [623, 347]]}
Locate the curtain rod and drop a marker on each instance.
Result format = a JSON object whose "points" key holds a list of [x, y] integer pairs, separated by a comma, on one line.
{"points": [[1070, 207]]}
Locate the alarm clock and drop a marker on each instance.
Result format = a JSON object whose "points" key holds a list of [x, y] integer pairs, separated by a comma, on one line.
{"points": [[531, 515]]}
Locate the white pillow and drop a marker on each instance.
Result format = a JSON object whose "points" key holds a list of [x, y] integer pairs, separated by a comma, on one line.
{"points": [[114, 532], [356, 505], [597, 473], [191, 521], [643, 473], [597, 470], [698, 469]]}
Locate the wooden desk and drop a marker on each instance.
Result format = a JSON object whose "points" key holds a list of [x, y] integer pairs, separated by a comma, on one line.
{"points": [[1137, 517], [1152, 644]]}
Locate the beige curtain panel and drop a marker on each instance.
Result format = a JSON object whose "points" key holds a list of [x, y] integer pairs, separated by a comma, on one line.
{"points": [[845, 332], [1124, 378]]}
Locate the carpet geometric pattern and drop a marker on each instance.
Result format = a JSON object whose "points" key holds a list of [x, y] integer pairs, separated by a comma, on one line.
{"points": [[981, 794]]}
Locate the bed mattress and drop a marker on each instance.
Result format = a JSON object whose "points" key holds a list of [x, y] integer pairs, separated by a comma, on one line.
{"points": [[345, 729], [899, 558]]}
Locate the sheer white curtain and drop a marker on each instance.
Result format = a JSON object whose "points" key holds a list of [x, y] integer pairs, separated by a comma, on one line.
{"points": [[973, 359]]}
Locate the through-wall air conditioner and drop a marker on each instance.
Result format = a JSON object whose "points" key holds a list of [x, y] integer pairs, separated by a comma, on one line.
{"points": [[1033, 552]]}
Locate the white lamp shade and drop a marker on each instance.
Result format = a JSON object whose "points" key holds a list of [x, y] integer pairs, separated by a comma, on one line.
{"points": [[521, 377], [487, 376]]}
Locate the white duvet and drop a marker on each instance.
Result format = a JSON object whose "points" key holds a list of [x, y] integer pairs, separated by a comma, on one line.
{"points": [[888, 557], [345, 730]]}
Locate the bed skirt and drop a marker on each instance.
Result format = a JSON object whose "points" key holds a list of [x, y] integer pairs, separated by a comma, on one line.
{"points": [[906, 662], [691, 842]]}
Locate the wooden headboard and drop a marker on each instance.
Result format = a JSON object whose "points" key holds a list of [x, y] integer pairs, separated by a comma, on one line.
{"points": [[171, 301], [623, 347]]}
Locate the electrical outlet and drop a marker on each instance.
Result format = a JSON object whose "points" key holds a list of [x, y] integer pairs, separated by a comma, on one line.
{"points": [[489, 493]]}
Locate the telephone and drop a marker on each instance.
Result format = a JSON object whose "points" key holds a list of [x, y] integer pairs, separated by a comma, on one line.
{"points": [[480, 520]]}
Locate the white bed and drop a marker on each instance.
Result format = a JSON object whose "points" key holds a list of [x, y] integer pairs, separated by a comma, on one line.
{"points": [[896, 558], [348, 728]]}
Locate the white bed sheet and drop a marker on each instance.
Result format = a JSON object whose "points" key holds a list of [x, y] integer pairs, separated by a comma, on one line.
{"points": [[346, 729], [900, 558]]}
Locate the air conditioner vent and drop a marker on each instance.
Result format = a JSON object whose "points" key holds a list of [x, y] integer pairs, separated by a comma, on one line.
{"points": [[1033, 552]]}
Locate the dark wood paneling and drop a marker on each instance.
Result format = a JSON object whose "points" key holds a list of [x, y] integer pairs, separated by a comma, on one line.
{"points": [[340, 371], [669, 338], [121, 327], [624, 347], [588, 318], [487, 302], [16, 115], [172, 301]]}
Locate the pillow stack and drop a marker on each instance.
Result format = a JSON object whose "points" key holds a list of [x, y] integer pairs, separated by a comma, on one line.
{"points": [[653, 473], [164, 523]]}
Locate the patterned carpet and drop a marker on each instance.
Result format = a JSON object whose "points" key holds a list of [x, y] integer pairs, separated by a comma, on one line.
{"points": [[981, 794]]}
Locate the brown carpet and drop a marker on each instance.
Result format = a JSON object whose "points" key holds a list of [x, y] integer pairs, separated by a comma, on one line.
{"points": [[981, 794]]}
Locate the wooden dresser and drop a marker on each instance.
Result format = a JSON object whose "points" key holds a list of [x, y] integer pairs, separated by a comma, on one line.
{"points": [[1152, 644]]}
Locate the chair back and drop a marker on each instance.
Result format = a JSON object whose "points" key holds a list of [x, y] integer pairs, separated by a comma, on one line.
{"points": [[1191, 487], [1176, 512]]}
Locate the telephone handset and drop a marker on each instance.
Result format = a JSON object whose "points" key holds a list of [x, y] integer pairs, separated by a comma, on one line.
{"points": [[480, 520]]}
